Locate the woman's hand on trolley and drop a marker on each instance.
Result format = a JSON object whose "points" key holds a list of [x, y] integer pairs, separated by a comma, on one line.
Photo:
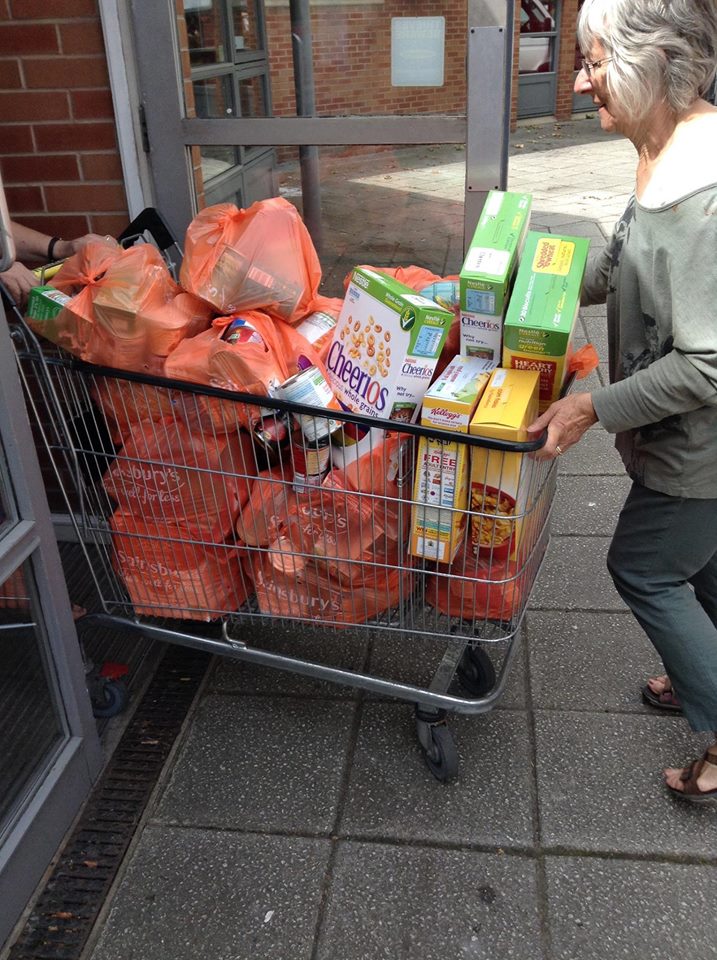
{"points": [[566, 421]]}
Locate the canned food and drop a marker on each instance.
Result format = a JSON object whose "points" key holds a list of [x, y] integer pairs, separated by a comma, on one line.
{"points": [[310, 460], [241, 331], [271, 433], [310, 387]]}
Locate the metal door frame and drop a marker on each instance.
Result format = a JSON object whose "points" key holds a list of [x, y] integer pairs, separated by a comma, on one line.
{"points": [[484, 129], [53, 799]]}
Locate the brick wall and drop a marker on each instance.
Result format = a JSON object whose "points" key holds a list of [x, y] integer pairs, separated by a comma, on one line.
{"points": [[58, 148], [566, 59], [352, 60]]}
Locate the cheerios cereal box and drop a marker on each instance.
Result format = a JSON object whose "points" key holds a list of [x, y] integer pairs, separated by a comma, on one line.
{"points": [[385, 347]]}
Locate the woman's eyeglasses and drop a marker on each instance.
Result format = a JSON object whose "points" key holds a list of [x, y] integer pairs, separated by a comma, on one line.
{"points": [[590, 65]]}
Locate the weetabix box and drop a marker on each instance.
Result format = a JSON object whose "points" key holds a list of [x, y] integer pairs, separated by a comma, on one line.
{"points": [[540, 322], [440, 490], [488, 271], [385, 347], [499, 489]]}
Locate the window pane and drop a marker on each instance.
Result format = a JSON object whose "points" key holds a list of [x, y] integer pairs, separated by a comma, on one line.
{"points": [[205, 33], [536, 54], [246, 26], [30, 726], [537, 16], [213, 97], [252, 97]]}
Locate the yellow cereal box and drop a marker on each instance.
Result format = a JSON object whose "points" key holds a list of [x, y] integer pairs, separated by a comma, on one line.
{"points": [[540, 322], [440, 491], [498, 490]]}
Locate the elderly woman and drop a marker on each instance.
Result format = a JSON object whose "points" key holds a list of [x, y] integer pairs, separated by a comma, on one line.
{"points": [[647, 65]]}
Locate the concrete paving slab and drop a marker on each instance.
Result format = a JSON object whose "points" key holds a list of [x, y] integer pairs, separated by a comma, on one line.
{"points": [[390, 902], [415, 661], [630, 910], [589, 661], [574, 577], [600, 785], [588, 506], [208, 895], [595, 455], [255, 763], [334, 648], [393, 795]]}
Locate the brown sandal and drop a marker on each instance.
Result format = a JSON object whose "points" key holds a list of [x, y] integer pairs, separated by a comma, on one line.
{"points": [[689, 776]]}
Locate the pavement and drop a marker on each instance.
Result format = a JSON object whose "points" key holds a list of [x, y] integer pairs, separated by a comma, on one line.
{"points": [[298, 821]]}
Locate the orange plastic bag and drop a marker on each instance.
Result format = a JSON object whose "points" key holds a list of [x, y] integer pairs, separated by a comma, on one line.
{"points": [[261, 258], [125, 404], [476, 588], [318, 326], [166, 473], [169, 576], [258, 519], [254, 366], [583, 361], [414, 277]]}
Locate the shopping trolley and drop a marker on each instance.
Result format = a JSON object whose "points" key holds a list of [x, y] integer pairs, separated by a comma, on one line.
{"points": [[211, 518]]}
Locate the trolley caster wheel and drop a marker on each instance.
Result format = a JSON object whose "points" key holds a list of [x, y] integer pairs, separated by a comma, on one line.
{"points": [[476, 672], [439, 748], [111, 699]]}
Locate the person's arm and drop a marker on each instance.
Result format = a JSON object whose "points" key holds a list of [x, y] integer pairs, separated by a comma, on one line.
{"points": [[32, 246]]}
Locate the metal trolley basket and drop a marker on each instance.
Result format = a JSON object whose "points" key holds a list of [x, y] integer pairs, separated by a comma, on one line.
{"points": [[201, 528]]}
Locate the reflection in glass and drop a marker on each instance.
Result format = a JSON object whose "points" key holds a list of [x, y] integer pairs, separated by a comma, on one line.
{"points": [[252, 97], [245, 23], [30, 726], [204, 31]]}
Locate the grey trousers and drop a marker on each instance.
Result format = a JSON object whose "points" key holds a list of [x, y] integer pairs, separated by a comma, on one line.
{"points": [[663, 560]]}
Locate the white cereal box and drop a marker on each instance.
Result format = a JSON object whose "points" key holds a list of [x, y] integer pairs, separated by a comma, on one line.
{"points": [[385, 347]]}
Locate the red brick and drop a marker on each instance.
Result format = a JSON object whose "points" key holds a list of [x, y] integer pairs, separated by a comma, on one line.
{"points": [[86, 196], [24, 38], [30, 105], [84, 36], [109, 224], [53, 9], [92, 104], [24, 200], [101, 166], [10, 75], [40, 168], [66, 72], [59, 226], [79, 136], [16, 139]]}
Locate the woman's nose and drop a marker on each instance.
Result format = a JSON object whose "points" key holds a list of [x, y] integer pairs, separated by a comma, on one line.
{"points": [[582, 84]]}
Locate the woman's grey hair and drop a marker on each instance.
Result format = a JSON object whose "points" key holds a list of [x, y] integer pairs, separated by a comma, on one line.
{"points": [[660, 49]]}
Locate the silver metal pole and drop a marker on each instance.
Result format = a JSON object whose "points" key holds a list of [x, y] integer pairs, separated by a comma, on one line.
{"points": [[302, 48]]}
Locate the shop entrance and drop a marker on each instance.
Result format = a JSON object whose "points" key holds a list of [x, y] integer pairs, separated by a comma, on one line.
{"points": [[359, 114]]}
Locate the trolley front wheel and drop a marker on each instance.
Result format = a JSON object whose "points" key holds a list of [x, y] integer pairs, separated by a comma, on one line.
{"points": [[111, 699], [476, 672], [439, 749]]}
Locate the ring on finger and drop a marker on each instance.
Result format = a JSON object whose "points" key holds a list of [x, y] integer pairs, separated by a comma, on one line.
{"points": [[558, 449]]}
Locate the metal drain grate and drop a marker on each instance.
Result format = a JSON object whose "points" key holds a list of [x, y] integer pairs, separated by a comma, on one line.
{"points": [[67, 907]]}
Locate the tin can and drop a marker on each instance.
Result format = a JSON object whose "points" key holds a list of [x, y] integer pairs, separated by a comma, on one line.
{"points": [[241, 331], [271, 433], [310, 460], [310, 387]]}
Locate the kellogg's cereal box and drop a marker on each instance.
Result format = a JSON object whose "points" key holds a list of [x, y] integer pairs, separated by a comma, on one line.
{"points": [[540, 321], [440, 490], [488, 271], [385, 347]]}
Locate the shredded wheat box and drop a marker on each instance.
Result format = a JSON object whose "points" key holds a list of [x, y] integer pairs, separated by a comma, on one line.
{"points": [[498, 479], [440, 490], [488, 270], [385, 347], [540, 321], [44, 303]]}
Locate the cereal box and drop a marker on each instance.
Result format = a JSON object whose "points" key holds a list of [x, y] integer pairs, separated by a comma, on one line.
{"points": [[440, 490], [44, 303], [543, 308], [488, 271], [385, 347], [498, 486]]}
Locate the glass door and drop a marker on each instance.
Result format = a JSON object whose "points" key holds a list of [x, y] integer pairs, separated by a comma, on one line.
{"points": [[538, 57], [49, 749], [383, 126]]}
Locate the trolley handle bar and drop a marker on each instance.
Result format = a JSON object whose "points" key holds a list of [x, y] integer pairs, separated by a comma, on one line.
{"points": [[287, 406]]}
